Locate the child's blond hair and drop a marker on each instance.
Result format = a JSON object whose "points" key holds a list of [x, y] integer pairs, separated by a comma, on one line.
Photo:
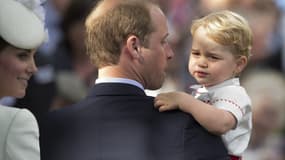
{"points": [[229, 29]]}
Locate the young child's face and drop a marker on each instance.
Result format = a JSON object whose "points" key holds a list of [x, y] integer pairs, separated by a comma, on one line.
{"points": [[211, 63]]}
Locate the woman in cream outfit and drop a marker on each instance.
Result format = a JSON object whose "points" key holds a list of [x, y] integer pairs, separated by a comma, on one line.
{"points": [[21, 33]]}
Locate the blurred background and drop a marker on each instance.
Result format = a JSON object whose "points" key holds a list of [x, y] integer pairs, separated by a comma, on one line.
{"points": [[65, 73]]}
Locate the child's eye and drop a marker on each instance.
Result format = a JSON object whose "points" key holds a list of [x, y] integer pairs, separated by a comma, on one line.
{"points": [[214, 57], [195, 53]]}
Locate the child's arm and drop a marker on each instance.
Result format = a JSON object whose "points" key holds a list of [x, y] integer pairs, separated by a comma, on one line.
{"points": [[216, 121]]}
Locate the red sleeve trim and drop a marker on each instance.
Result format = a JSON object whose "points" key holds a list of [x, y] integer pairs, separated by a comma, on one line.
{"points": [[229, 101]]}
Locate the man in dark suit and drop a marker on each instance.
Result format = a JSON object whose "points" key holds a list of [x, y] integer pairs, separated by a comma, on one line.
{"points": [[127, 41]]}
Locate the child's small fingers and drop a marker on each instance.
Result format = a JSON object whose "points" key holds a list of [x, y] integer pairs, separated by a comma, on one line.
{"points": [[156, 106], [157, 103], [162, 109]]}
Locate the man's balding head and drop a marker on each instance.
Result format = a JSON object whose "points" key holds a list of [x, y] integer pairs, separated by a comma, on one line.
{"points": [[102, 7]]}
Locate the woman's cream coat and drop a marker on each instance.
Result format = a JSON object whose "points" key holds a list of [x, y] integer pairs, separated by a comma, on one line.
{"points": [[19, 135]]}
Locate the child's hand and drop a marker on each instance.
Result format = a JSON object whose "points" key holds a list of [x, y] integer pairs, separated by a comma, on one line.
{"points": [[166, 101]]}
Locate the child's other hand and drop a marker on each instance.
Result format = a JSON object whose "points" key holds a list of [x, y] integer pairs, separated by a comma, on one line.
{"points": [[166, 101]]}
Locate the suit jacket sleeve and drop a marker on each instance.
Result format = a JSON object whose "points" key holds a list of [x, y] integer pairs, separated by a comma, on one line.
{"points": [[23, 137]]}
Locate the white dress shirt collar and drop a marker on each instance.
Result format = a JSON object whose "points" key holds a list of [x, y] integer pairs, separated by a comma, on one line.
{"points": [[119, 80]]}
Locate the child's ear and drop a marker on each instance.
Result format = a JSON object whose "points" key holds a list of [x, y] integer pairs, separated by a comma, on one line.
{"points": [[241, 64]]}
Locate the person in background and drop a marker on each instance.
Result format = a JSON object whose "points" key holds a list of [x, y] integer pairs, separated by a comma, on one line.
{"points": [[220, 51], [71, 58], [21, 33], [127, 41], [266, 89]]}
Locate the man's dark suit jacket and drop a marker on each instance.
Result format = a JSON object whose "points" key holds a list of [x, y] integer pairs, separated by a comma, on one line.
{"points": [[118, 122]]}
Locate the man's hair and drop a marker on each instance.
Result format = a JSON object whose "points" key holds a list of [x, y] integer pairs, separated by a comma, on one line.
{"points": [[108, 32], [229, 29]]}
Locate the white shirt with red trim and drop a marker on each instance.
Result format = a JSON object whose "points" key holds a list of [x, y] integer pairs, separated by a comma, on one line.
{"points": [[232, 97]]}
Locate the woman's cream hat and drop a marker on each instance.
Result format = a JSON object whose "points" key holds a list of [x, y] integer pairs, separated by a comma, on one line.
{"points": [[22, 23]]}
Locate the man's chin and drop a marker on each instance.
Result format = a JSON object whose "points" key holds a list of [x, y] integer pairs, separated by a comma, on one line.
{"points": [[156, 86], [20, 94]]}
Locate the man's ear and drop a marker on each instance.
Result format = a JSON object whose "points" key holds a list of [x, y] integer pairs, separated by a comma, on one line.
{"points": [[133, 45]]}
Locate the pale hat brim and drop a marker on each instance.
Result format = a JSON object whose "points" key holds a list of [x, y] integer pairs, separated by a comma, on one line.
{"points": [[20, 26]]}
